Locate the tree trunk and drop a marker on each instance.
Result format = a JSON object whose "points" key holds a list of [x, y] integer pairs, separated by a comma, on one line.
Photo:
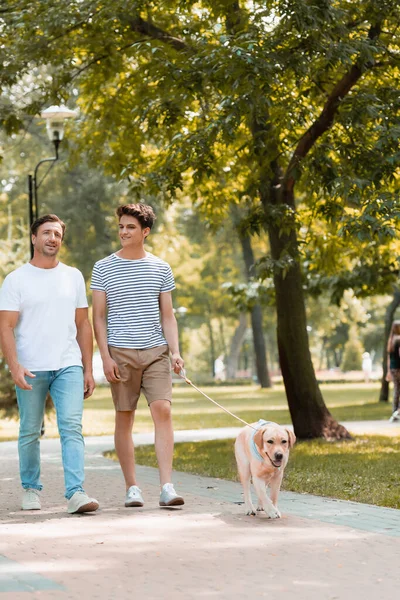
{"points": [[389, 316], [236, 344], [310, 416], [222, 337], [256, 320], [212, 345]]}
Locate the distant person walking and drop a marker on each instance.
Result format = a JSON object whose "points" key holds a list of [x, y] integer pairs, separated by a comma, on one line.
{"points": [[367, 366], [47, 341], [136, 331], [393, 349]]}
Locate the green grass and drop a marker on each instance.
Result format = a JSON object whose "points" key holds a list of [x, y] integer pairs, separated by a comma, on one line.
{"points": [[347, 402], [366, 469]]}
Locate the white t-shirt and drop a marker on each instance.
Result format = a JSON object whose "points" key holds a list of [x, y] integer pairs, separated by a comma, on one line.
{"points": [[46, 300]]}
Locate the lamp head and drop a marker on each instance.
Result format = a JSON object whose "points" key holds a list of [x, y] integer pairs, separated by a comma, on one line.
{"points": [[55, 116]]}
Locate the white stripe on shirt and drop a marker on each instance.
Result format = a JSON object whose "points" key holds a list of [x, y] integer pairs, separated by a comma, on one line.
{"points": [[133, 289]]}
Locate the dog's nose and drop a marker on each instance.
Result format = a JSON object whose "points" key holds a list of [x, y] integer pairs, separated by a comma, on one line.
{"points": [[278, 456]]}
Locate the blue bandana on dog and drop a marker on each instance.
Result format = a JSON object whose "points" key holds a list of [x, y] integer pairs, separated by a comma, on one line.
{"points": [[253, 445]]}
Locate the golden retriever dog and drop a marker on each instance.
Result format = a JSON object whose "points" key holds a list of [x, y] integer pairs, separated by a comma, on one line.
{"points": [[262, 451]]}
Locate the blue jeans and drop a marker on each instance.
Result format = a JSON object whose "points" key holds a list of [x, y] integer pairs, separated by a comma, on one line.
{"points": [[66, 389]]}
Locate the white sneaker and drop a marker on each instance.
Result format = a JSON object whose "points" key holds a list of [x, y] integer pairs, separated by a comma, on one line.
{"points": [[80, 503], [31, 500], [395, 417], [134, 496], [169, 497]]}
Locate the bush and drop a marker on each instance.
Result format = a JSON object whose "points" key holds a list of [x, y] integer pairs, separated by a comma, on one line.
{"points": [[352, 356]]}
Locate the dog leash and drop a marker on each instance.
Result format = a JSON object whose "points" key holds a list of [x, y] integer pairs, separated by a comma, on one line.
{"points": [[182, 375]]}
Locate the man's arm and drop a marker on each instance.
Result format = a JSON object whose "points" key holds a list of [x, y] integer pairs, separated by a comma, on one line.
{"points": [[84, 338], [8, 322], [170, 329], [110, 367]]}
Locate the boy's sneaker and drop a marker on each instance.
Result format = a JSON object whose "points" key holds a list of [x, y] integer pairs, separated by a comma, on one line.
{"points": [[80, 503], [134, 496], [169, 497], [31, 500], [395, 417]]}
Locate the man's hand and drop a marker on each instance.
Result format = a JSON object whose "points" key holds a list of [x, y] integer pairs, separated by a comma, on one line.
{"points": [[111, 370], [177, 362], [88, 384], [18, 374]]}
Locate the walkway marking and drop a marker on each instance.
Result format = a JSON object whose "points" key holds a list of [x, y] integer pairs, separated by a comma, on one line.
{"points": [[15, 577]]}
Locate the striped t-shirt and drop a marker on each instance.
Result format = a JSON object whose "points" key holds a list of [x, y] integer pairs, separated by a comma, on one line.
{"points": [[132, 290]]}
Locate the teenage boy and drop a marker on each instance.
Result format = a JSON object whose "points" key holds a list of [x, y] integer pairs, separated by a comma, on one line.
{"points": [[47, 341], [136, 330]]}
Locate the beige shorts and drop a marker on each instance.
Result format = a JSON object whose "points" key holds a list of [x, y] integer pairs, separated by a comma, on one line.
{"points": [[141, 370]]}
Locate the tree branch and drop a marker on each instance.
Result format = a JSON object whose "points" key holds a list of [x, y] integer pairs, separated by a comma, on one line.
{"points": [[327, 116], [139, 25]]}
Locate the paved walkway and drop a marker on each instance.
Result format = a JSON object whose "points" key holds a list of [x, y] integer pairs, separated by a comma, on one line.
{"points": [[321, 549]]}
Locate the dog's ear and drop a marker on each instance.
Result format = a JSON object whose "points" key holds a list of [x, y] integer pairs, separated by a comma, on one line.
{"points": [[258, 438], [292, 438]]}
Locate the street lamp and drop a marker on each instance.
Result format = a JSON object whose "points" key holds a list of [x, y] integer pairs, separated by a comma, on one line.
{"points": [[55, 117]]}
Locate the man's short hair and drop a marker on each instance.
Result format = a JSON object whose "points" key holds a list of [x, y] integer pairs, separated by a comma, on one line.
{"points": [[47, 219], [142, 212]]}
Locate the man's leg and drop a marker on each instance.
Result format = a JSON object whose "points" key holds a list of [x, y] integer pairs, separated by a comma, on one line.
{"points": [[31, 404], [66, 388], [164, 438], [124, 445]]}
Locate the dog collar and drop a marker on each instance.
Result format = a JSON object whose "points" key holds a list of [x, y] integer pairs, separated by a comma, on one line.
{"points": [[253, 446]]}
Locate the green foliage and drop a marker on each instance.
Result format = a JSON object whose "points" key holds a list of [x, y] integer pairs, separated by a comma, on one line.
{"points": [[192, 80], [8, 397], [352, 357]]}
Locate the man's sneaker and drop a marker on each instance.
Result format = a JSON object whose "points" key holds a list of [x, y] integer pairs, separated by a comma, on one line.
{"points": [[31, 500], [169, 497], [134, 496], [80, 503], [395, 417]]}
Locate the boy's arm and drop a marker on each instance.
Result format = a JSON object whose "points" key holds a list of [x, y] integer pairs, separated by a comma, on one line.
{"points": [[170, 329], [110, 367]]}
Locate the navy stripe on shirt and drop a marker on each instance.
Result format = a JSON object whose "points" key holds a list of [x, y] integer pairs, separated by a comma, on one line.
{"points": [[133, 289]]}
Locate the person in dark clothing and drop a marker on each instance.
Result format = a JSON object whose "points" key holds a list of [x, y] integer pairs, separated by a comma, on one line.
{"points": [[393, 349]]}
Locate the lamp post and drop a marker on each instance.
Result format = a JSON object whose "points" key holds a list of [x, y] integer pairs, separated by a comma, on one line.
{"points": [[55, 117]]}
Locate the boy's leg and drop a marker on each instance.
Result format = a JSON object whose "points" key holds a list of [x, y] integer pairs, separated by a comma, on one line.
{"points": [[66, 388], [31, 404], [125, 396], [124, 446], [164, 438]]}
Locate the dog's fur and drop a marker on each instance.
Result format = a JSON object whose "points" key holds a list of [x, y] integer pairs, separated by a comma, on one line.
{"points": [[273, 442]]}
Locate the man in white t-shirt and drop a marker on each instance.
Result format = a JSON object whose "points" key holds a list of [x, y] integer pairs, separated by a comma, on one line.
{"points": [[131, 290], [47, 341]]}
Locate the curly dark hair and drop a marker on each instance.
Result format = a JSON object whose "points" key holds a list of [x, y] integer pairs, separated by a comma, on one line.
{"points": [[142, 212]]}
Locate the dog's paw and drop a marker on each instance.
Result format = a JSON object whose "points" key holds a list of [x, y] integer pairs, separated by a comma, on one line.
{"points": [[259, 509], [250, 512], [273, 513]]}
